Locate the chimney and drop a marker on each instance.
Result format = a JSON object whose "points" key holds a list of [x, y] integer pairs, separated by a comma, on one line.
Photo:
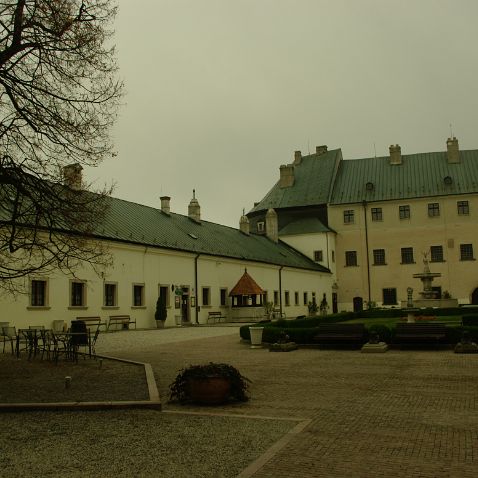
{"points": [[72, 176], [286, 176], [395, 154], [272, 225], [320, 150], [165, 204], [297, 157], [453, 152], [194, 209], [244, 224]]}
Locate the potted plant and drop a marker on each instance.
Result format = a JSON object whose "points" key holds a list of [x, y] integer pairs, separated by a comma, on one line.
{"points": [[161, 312], [312, 306], [209, 384]]}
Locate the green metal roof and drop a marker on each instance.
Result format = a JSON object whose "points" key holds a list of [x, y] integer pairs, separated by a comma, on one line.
{"points": [[419, 175], [306, 225], [134, 223], [312, 184]]}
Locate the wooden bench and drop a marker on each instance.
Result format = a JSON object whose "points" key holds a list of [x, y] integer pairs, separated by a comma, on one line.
{"points": [[340, 333], [91, 322], [215, 315], [124, 321], [410, 333], [469, 320]]}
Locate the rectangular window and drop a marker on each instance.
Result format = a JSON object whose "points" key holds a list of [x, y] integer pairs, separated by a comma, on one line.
{"points": [[404, 211], [260, 226], [223, 296], [466, 252], [376, 214], [306, 298], [318, 256], [407, 255], [266, 297], [463, 208], [38, 293], [436, 253], [77, 294], [138, 295], [379, 257], [206, 296], [110, 297], [276, 297], [389, 296], [333, 256], [350, 258], [164, 291], [433, 209], [296, 298], [349, 216], [287, 298]]}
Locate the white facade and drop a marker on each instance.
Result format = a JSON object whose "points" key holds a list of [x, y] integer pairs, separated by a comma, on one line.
{"points": [[144, 270]]}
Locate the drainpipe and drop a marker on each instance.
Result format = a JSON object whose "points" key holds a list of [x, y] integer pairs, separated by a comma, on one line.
{"points": [[280, 290], [364, 204], [196, 287]]}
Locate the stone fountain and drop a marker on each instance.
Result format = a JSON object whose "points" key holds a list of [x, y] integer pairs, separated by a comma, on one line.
{"points": [[428, 296]]}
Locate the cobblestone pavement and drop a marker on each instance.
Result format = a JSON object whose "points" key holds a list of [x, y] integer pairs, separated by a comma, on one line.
{"points": [[404, 413]]}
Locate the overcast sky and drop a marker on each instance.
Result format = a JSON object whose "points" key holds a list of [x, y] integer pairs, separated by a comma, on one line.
{"points": [[220, 93]]}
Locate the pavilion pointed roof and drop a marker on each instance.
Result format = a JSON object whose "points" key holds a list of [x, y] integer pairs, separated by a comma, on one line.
{"points": [[246, 286]]}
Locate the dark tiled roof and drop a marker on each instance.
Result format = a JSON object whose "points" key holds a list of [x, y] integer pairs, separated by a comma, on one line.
{"points": [[134, 223], [313, 181], [419, 175], [306, 225]]}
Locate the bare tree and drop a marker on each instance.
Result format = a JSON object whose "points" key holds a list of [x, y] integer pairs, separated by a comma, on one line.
{"points": [[59, 95]]}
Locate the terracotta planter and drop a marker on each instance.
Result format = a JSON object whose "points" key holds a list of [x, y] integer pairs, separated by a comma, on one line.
{"points": [[210, 390]]}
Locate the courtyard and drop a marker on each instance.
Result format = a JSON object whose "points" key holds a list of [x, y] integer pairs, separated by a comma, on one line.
{"points": [[312, 413]]}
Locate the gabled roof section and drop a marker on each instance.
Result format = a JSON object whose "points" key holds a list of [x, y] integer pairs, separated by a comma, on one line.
{"points": [[246, 286], [306, 225], [419, 175], [137, 224], [313, 179]]}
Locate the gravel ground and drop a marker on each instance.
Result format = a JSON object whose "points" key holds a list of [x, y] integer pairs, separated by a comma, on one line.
{"points": [[24, 381], [140, 443], [123, 443]]}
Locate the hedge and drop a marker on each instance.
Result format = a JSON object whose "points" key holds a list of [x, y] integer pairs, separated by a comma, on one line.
{"points": [[305, 335]]}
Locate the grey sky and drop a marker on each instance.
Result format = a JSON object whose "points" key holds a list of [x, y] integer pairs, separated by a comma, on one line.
{"points": [[221, 92]]}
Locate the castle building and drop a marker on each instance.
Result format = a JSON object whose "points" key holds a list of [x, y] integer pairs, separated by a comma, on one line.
{"points": [[372, 221]]}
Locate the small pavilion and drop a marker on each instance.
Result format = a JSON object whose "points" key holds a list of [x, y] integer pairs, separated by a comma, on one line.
{"points": [[248, 296]]}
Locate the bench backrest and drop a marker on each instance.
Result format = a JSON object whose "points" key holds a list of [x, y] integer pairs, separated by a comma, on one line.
{"points": [[115, 318], [89, 319], [215, 313], [339, 328], [412, 328]]}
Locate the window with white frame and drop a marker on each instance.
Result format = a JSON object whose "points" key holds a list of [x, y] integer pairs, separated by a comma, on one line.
{"points": [[276, 297], [377, 214], [433, 209], [77, 293], [349, 216], [223, 296], [318, 256], [38, 293], [404, 211], [463, 208], [306, 298], [436, 253], [287, 298], [138, 295], [110, 296], [296, 298], [466, 252], [164, 291], [206, 296]]}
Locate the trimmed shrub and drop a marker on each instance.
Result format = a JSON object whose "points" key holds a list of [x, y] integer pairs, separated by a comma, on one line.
{"points": [[470, 320], [384, 332]]}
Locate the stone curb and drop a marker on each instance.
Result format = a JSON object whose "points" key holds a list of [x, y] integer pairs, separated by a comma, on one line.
{"points": [[154, 401]]}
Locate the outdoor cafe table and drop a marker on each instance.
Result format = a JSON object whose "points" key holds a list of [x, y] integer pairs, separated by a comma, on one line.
{"points": [[71, 343]]}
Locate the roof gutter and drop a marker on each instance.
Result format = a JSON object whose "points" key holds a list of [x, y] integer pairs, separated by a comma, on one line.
{"points": [[196, 287], [364, 204]]}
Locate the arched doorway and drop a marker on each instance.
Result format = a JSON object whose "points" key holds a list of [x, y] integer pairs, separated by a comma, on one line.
{"points": [[474, 297], [358, 304]]}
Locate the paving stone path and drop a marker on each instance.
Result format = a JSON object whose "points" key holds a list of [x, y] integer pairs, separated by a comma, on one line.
{"points": [[403, 413]]}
